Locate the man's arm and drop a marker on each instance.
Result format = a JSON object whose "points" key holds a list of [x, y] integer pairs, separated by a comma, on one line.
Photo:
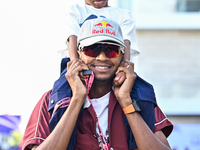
{"points": [[34, 147], [159, 134], [144, 137], [60, 136]]}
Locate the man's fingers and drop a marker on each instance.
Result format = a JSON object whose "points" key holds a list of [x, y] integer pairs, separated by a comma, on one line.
{"points": [[76, 64]]}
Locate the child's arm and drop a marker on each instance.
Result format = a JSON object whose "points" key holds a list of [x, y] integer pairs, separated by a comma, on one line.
{"points": [[72, 46], [127, 50]]}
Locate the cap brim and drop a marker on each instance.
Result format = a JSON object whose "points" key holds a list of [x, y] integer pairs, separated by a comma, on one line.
{"points": [[95, 39]]}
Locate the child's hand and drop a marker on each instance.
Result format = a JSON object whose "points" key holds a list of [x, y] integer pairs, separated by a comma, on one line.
{"points": [[119, 78]]}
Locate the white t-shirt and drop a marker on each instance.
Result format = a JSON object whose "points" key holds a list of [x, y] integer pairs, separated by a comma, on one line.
{"points": [[101, 108], [79, 13]]}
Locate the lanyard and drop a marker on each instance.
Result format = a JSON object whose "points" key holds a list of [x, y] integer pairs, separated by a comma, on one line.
{"points": [[101, 138], [65, 102]]}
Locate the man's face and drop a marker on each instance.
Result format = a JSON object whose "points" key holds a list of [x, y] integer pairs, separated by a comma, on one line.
{"points": [[97, 3], [104, 68]]}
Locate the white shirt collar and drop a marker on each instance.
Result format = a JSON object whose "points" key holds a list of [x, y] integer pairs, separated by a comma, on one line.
{"points": [[87, 102]]}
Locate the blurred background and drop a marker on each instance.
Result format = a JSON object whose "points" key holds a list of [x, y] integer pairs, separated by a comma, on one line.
{"points": [[168, 35]]}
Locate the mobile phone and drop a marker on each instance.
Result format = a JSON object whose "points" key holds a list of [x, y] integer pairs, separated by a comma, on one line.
{"points": [[87, 72]]}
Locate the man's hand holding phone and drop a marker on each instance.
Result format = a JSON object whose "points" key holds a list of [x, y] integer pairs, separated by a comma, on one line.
{"points": [[75, 76]]}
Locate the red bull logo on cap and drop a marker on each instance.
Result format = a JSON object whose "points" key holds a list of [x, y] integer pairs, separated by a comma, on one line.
{"points": [[103, 27]]}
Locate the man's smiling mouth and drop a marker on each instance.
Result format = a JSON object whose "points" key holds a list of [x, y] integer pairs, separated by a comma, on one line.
{"points": [[101, 67]]}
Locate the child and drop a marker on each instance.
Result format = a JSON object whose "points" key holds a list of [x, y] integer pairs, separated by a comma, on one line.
{"points": [[79, 13], [92, 9]]}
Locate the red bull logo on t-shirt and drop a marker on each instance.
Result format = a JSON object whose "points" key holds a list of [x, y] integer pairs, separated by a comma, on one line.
{"points": [[103, 27]]}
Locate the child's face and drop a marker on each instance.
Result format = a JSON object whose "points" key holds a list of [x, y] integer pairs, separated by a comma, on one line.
{"points": [[97, 3]]}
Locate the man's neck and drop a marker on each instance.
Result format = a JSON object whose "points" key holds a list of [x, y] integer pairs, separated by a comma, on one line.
{"points": [[99, 89]]}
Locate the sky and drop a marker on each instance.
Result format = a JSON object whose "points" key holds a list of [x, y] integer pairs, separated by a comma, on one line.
{"points": [[31, 34]]}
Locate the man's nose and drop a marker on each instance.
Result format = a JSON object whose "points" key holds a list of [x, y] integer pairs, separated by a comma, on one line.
{"points": [[102, 56]]}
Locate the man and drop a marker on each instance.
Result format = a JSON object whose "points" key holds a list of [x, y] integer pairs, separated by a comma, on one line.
{"points": [[111, 108]]}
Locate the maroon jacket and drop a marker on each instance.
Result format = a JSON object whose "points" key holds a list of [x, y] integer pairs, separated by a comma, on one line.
{"points": [[37, 128]]}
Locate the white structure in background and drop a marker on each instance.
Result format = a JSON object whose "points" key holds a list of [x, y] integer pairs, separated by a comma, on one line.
{"points": [[173, 17]]}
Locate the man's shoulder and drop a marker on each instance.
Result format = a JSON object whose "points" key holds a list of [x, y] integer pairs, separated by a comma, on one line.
{"points": [[44, 101], [143, 90], [37, 131]]}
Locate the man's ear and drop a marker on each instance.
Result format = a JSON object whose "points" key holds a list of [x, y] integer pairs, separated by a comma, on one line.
{"points": [[122, 57], [79, 54]]}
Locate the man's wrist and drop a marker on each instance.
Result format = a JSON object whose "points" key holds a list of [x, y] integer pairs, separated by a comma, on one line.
{"points": [[124, 102], [133, 107], [78, 98]]}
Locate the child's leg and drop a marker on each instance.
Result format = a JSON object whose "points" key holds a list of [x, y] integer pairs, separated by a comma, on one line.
{"points": [[120, 77], [126, 50], [72, 46]]}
